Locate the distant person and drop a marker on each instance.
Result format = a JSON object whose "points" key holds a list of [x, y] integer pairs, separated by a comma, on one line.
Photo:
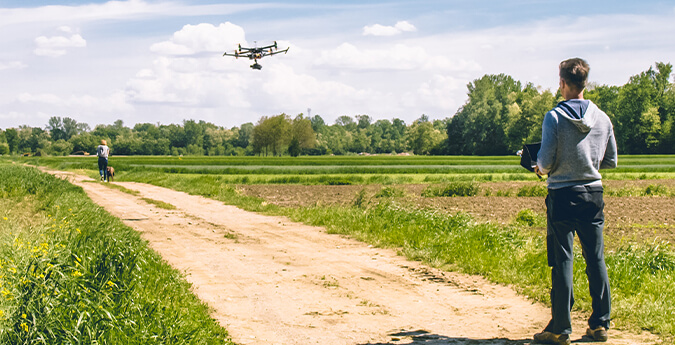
{"points": [[103, 151], [577, 141]]}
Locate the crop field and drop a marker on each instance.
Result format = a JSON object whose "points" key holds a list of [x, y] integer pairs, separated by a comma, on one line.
{"points": [[443, 210], [341, 170]]}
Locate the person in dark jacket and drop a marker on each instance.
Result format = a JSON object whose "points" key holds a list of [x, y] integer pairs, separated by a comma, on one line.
{"points": [[577, 141]]}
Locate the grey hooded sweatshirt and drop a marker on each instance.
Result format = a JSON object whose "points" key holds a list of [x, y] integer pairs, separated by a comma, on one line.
{"points": [[574, 149]]}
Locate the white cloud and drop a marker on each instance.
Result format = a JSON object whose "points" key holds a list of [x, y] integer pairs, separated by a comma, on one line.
{"points": [[391, 57], [130, 9], [12, 115], [12, 65], [296, 90], [56, 46], [381, 30], [83, 103], [438, 91], [193, 39]]}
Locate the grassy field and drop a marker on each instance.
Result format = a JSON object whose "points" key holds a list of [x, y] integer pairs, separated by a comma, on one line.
{"points": [[340, 170], [641, 274], [73, 274]]}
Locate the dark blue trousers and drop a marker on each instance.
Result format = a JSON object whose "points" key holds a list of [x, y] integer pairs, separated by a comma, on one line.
{"points": [[103, 167], [568, 210]]}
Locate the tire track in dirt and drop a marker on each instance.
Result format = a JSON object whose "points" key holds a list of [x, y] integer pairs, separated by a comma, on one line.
{"points": [[272, 281]]}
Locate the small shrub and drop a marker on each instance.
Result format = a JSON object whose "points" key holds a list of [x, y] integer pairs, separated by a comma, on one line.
{"points": [[657, 190], [530, 218], [338, 182], [506, 192], [534, 190], [361, 199], [457, 188], [390, 192]]}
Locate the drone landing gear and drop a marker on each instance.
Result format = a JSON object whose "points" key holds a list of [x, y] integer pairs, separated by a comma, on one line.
{"points": [[256, 66]]}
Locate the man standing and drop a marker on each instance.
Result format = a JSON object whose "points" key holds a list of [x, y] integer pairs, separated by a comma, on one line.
{"points": [[577, 141], [102, 151]]}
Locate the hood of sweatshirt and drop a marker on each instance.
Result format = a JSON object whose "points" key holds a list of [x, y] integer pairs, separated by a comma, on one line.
{"points": [[582, 117]]}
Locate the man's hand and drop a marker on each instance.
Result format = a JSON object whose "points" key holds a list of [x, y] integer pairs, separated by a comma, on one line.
{"points": [[537, 171]]}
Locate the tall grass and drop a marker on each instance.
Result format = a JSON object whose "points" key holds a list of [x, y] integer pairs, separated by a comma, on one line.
{"points": [[73, 274], [458, 188]]}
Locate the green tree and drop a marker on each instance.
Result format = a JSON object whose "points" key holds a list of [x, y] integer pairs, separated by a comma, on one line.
{"points": [[303, 136], [61, 148], [12, 136], [642, 108], [525, 113], [318, 123], [55, 128], [243, 138], [272, 134], [346, 122], [84, 142], [484, 117], [423, 137]]}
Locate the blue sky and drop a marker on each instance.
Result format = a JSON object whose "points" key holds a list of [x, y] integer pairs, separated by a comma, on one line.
{"points": [[161, 61]]}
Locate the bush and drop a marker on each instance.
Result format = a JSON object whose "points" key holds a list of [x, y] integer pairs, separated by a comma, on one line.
{"points": [[535, 190], [658, 189], [390, 192], [457, 188], [530, 218], [4, 148]]}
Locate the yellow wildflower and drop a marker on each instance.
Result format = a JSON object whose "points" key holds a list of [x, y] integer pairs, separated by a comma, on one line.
{"points": [[24, 326], [5, 218], [76, 274], [23, 316]]}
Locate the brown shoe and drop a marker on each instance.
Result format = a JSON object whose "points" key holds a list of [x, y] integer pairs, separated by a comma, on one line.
{"points": [[552, 338], [598, 334]]}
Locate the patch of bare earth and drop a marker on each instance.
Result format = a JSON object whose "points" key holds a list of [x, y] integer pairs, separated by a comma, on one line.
{"points": [[272, 281], [645, 218]]}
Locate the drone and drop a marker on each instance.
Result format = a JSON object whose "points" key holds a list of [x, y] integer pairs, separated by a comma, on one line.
{"points": [[257, 53]]}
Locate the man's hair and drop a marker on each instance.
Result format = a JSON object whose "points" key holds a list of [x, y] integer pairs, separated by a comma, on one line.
{"points": [[575, 72]]}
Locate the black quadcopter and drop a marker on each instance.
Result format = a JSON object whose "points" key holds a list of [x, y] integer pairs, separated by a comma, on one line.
{"points": [[256, 53]]}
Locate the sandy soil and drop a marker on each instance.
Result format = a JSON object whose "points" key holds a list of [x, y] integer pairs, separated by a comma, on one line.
{"points": [[272, 281]]}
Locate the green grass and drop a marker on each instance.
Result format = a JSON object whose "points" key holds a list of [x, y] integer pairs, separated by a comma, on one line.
{"points": [[390, 192], [159, 203], [458, 188], [73, 274], [120, 188], [650, 190], [527, 217]]}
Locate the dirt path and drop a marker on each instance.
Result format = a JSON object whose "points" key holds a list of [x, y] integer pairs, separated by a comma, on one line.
{"points": [[272, 281]]}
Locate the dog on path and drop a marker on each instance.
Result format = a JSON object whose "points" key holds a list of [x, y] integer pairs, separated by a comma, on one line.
{"points": [[111, 173]]}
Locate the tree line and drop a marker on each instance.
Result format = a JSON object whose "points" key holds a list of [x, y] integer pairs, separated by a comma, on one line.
{"points": [[499, 116]]}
